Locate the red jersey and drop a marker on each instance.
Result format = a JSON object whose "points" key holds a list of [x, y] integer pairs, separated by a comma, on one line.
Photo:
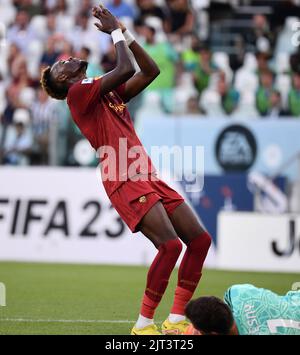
{"points": [[105, 121]]}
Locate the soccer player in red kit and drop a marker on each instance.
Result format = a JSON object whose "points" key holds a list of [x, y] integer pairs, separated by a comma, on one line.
{"points": [[143, 201]]}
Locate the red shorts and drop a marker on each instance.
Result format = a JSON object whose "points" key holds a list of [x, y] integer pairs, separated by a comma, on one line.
{"points": [[134, 199]]}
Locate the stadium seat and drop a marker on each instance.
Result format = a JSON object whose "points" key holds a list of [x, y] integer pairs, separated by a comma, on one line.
{"points": [[4, 49], [246, 108], [65, 23], [157, 24], [35, 51], [183, 91], [211, 103], [84, 154], [246, 81], [128, 22], [73, 6], [152, 106], [160, 3], [27, 96], [282, 63], [200, 4], [213, 82], [221, 59], [38, 25], [7, 12], [285, 41], [250, 62]]}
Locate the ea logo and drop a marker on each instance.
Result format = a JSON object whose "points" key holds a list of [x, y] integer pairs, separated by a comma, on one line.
{"points": [[236, 149]]}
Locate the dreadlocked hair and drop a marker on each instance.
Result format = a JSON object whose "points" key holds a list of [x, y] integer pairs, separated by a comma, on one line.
{"points": [[54, 90]]}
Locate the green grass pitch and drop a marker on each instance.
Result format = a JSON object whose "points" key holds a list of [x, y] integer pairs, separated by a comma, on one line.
{"points": [[97, 299]]}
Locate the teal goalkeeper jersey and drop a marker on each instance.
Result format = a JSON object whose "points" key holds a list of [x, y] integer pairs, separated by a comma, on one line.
{"points": [[262, 312]]}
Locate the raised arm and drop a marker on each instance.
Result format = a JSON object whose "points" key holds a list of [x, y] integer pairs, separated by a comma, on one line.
{"points": [[148, 72], [148, 68], [124, 69]]}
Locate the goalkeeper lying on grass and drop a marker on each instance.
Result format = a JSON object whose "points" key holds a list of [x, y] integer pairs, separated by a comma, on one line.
{"points": [[246, 310]]}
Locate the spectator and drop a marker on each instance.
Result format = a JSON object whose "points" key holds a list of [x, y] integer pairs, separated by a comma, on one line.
{"points": [[180, 18], [148, 8], [18, 140], [20, 76], [237, 57], [229, 96], [50, 55], [9, 108], [294, 96], [205, 68], [276, 109], [193, 106], [43, 115], [166, 58], [83, 34], [61, 8], [51, 25], [295, 61], [86, 6], [261, 37], [32, 8], [262, 62], [65, 13], [67, 50], [120, 9], [190, 56], [20, 82], [20, 33], [2, 97], [109, 59], [14, 54], [93, 69], [264, 92]]}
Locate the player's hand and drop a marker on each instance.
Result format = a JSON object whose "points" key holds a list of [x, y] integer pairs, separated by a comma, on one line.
{"points": [[108, 22]]}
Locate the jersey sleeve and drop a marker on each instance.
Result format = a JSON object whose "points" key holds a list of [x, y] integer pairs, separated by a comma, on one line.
{"points": [[85, 94]]}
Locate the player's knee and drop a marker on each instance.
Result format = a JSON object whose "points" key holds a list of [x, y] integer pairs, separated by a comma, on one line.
{"points": [[201, 243], [172, 247]]}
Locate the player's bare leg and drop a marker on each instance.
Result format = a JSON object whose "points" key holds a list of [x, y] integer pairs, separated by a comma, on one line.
{"points": [[198, 241], [157, 227]]}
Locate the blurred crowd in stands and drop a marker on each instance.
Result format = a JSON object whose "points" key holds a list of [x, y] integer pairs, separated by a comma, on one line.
{"points": [[236, 58]]}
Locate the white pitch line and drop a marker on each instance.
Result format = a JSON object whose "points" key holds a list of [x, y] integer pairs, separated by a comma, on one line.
{"points": [[24, 320]]}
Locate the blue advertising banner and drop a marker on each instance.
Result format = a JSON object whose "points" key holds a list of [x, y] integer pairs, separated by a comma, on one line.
{"points": [[230, 145], [230, 192]]}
